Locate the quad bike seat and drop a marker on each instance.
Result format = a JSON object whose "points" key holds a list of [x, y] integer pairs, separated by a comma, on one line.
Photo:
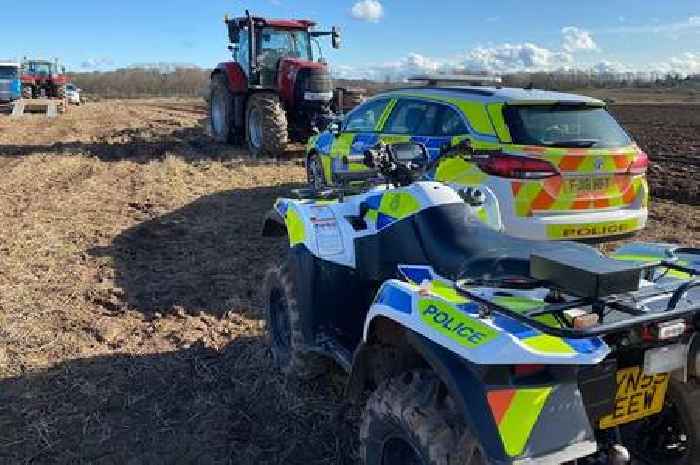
{"points": [[457, 248]]}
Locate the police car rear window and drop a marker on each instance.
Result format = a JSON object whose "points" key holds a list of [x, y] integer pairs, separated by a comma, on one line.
{"points": [[564, 126]]}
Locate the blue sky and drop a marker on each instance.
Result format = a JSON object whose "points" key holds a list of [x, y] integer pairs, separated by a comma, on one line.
{"points": [[381, 37]]}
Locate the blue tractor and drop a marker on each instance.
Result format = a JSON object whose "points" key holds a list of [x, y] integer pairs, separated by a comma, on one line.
{"points": [[10, 85]]}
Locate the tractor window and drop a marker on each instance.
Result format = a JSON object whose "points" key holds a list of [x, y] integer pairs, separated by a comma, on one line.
{"points": [[423, 118], [243, 54], [40, 68], [365, 117]]}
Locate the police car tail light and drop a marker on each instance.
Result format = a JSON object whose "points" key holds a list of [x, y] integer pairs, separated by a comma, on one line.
{"points": [[512, 166], [640, 164]]}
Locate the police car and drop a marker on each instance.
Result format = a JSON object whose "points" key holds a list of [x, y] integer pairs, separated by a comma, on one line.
{"points": [[543, 165]]}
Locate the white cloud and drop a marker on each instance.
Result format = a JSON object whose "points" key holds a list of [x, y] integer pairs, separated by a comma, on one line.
{"points": [[507, 58], [577, 39], [690, 24], [368, 10], [685, 64], [97, 63]]}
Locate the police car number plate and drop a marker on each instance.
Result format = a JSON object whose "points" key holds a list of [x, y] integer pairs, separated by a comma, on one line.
{"points": [[583, 184], [638, 396]]}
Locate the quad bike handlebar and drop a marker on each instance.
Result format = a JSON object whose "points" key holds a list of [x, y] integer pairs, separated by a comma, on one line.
{"points": [[400, 163]]}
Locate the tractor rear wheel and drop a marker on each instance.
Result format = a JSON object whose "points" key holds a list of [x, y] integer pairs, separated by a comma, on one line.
{"points": [[266, 125], [221, 110], [412, 420]]}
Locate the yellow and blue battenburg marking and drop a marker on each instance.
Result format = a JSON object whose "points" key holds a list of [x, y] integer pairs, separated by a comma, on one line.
{"points": [[389, 207], [530, 337]]}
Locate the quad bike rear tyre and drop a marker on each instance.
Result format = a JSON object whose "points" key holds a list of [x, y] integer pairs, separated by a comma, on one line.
{"points": [[411, 420], [314, 172], [266, 125], [221, 110], [655, 440], [284, 320]]}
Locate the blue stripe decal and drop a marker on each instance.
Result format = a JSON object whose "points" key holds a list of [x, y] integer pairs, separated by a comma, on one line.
{"points": [[416, 275], [374, 201], [395, 298], [384, 220]]}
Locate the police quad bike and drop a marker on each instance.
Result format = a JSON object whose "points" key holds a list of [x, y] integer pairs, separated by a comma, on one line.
{"points": [[475, 347]]}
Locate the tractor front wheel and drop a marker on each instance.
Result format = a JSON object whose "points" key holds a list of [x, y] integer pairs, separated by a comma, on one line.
{"points": [[61, 92], [412, 420], [266, 124], [27, 92]]}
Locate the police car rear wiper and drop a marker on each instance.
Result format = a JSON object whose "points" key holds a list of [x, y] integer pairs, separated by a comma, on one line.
{"points": [[575, 143]]}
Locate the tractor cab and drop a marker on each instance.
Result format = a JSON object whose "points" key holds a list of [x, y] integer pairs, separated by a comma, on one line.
{"points": [[261, 46]]}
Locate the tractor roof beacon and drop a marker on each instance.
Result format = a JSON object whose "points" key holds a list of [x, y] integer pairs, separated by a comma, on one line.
{"points": [[274, 90], [479, 348]]}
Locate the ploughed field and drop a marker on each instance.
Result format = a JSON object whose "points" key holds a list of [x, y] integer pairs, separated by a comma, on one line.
{"points": [[130, 274]]}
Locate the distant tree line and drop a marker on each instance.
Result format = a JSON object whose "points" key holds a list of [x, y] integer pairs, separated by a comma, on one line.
{"points": [[171, 81], [144, 82]]}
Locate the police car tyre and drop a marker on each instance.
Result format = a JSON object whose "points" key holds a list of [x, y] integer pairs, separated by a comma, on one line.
{"points": [[284, 327], [266, 125], [413, 409], [221, 102]]}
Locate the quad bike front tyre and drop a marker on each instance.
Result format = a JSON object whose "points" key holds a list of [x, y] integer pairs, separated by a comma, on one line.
{"points": [[412, 420], [314, 172], [266, 125], [221, 110], [673, 436], [284, 320]]}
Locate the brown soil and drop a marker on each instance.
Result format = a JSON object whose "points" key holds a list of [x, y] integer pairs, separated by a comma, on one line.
{"points": [[670, 134], [130, 270]]}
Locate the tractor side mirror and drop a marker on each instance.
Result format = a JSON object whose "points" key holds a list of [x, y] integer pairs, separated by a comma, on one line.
{"points": [[336, 39]]}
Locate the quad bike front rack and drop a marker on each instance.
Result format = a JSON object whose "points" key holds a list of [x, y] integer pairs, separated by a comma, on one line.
{"points": [[627, 303]]}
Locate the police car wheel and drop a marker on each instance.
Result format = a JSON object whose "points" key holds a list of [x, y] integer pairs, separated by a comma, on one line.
{"points": [[673, 436], [412, 420], [284, 327]]}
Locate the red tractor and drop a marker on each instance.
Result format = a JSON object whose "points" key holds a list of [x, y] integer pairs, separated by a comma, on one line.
{"points": [[274, 91], [42, 78]]}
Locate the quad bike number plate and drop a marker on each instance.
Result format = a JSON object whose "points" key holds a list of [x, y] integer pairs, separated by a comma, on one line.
{"points": [[638, 396]]}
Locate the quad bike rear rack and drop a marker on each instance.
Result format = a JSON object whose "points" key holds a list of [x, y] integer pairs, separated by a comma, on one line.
{"points": [[627, 303]]}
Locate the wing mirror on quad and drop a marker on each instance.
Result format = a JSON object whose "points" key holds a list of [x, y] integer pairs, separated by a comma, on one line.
{"points": [[336, 39]]}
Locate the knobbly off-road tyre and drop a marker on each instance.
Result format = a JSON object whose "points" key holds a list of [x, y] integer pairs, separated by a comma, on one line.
{"points": [[412, 420], [27, 92], [266, 125], [61, 92], [284, 327], [221, 110], [684, 400]]}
